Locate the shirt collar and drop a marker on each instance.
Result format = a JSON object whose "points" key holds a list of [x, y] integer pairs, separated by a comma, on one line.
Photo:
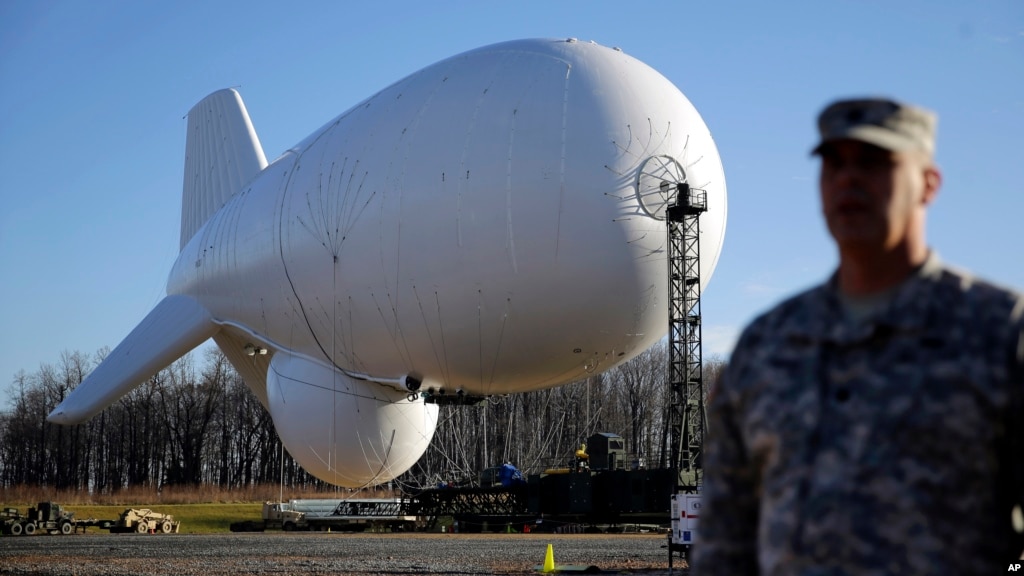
{"points": [[907, 309]]}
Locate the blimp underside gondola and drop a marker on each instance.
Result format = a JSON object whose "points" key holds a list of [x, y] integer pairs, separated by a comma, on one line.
{"points": [[490, 224]]}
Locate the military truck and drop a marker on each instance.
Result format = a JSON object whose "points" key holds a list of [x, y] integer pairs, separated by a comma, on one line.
{"points": [[44, 517], [279, 515]]}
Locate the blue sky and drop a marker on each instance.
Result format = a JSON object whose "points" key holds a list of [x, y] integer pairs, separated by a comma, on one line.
{"points": [[92, 132]]}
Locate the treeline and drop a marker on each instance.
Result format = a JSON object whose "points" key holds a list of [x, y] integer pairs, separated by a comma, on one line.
{"points": [[184, 426], [195, 425]]}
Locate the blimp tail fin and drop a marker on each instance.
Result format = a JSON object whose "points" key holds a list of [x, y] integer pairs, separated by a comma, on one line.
{"points": [[222, 153], [177, 324]]}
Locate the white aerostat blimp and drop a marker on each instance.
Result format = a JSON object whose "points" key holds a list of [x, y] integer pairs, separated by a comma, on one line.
{"points": [[491, 224]]}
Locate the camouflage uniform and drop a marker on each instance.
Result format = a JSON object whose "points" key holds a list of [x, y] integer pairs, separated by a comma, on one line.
{"points": [[894, 445]]}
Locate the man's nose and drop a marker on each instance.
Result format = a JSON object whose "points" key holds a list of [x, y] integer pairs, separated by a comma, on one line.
{"points": [[846, 173]]}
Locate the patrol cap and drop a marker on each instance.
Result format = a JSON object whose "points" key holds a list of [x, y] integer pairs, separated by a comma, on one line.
{"points": [[879, 121]]}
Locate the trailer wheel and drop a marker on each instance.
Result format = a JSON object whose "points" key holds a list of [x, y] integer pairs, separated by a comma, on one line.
{"points": [[30, 528], [165, 527], [66, 528], [17, 529], [142, 527]]}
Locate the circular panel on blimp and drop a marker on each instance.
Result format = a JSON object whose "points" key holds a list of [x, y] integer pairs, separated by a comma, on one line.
{"points": [[656, 183]]}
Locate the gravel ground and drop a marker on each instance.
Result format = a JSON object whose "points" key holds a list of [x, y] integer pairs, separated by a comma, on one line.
{"points": [[327, 553]]}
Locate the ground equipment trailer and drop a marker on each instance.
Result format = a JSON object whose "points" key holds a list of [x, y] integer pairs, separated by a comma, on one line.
{"points": [[44, 517], [144, 520], [350, 515]]}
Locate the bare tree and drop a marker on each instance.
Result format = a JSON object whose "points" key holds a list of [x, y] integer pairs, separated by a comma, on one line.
{"points": [[193, 425]]}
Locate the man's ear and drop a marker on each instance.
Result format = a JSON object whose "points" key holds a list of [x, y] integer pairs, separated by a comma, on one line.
{"points": [[932, 183]]}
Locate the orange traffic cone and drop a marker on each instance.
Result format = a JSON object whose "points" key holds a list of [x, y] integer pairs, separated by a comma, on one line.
{"points": [[549, 560]]}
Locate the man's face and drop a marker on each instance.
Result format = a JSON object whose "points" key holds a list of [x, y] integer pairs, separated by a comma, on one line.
{"points": [[871, 197]]}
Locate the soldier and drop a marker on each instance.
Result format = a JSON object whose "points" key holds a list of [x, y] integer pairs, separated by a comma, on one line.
{"points": [[873, 424]]}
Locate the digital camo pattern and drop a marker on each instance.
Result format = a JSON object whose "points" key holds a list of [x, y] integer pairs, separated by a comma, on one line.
{"points": [[890, 446]]}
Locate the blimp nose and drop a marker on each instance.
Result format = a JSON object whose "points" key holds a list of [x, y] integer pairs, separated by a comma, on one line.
{"points": [[659, 180]]}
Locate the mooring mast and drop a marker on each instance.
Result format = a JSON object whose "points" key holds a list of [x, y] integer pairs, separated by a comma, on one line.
{"points": [[686, 374]]}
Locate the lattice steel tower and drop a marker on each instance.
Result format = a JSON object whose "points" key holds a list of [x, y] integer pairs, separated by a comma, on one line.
{"points": [[686, 372], [663, 194]]}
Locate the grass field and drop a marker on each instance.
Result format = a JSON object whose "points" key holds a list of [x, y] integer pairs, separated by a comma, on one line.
{"points": [[205, 510], [194, 518]]}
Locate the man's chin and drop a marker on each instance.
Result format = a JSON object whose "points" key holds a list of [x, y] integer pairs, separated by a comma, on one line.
{"points": [[858, 241]]}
